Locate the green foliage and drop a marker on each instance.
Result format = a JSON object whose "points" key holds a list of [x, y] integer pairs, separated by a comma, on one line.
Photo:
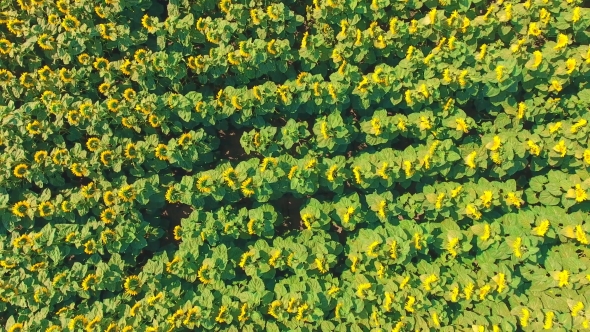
{"points": [[333, 165]]}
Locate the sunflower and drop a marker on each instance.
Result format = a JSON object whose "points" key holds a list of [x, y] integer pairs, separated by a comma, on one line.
{"points": [[149, 23], [70, 236], [21, 208], [132, 285], [89, 190], [146, 110], [66, 206], [100, 12], [184, 139], [58, 157], [101, 64], [40, 156], [27, 80], [177, 233], [56, 107], [15, 26], [85, 109], [5, 76], [73, 117], [107, 235], [46, 209], [109, 198], [41, 294], [70, 23], [62, 6], [66, 76], [93, 144], [125, 67], [162, 152], [22, 240], [45, 41], [17, 327], [130, 151], [113, 105], [108, 31], [154, 121], [90, 280], [127, 193], [129, 94], [78, 170], [20, 171], [170, 195], [47, 97], [84, 59], [90, 247], [140, 56], [25, 4], [128, 122], [106, 157], [104, 88], [5, 46], [53, 19], [108, 215], [34, 128], [44, 73]]}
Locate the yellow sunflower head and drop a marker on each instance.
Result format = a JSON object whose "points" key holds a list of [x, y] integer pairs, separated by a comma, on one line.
{"points": [[40, 156], [127, 193], [84, 59], [34, 127], [60, 156], [104, 88], [109, 198], [53, 19], [129, 94], [5, 46], [27, 80], [15, 26], [101, 64], [128, 121], [100, 12], [66, 206], [162, 152], [46, 209], [125, 67], [113, 105], [66, 76], [89, 190], [44, 73], [154, 121], [21, 208], [62, 6], [93, 144], [108, 215], [140, 55], [184, 139], [5, 76], [107, 235], [106, 157], [45, 41], [130, 151], [132, 285], [70, 23], [90, 247], [73, 117], [78, 170], [20, 171]]}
